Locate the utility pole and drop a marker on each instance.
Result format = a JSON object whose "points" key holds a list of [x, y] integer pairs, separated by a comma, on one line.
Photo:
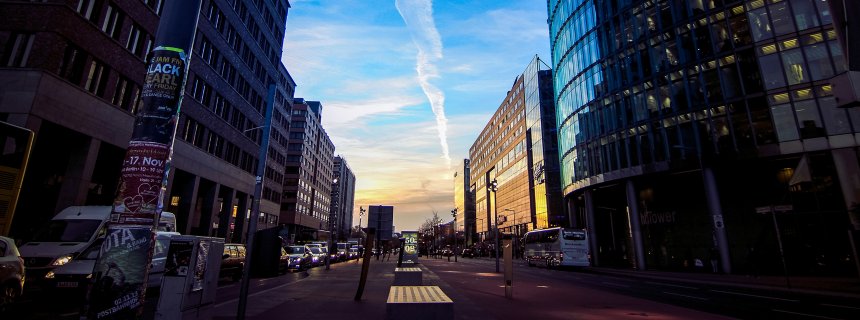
{"points": [[122, 268], [494, 187], [255, 207]]}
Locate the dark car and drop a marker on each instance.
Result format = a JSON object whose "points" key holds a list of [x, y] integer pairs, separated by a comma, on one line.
{"points": [[234, 261], [11, 272], [468, 253], [300, 258]]}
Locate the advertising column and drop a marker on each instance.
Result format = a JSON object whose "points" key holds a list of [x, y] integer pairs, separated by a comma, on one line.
{"points": [[410, 246], [122, 267]]}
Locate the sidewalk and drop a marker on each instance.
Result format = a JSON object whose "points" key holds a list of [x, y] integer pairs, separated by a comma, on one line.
{"points": [[827, 286]]}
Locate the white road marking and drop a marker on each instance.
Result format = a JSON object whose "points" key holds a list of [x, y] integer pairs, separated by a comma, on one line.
{"points": [[672, 285], [543, 286], [752, 295], [838, 306], [805, 314], [686, 296]]}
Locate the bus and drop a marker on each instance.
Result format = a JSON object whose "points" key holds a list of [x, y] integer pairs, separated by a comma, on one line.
{"points": [[557, 247]]}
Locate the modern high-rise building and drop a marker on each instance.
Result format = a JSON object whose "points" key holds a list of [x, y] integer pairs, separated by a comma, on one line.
{"points": [[72, 73], [686, 125], [516, 151], [343, 197], [308, 175], [464, 203]]}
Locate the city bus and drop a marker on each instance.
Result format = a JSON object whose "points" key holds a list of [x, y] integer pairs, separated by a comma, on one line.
{"points": [[557, 247]]}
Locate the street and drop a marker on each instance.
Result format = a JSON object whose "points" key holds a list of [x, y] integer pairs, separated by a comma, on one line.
{"points": [[478, 293]]}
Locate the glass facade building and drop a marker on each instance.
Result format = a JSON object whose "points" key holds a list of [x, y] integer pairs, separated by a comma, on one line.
{"points": [[517, 149], [687, 120]]}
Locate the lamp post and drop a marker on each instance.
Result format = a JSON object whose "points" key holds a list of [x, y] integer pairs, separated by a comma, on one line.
{"points": [[454, 213], [494, 187]]}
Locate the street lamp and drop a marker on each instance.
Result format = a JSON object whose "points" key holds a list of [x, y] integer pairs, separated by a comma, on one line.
{"points": [[454, 213], [494, 186]]}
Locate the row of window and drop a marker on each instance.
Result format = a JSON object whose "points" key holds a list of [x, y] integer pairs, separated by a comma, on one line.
{"points": [[197, 134], [228, 72]]}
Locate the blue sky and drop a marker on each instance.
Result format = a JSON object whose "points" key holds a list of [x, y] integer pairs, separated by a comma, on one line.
{"points": [[407, 85]]}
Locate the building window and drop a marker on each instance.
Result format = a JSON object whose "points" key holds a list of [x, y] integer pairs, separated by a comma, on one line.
{"points": [[112, 23], [139, 42], [155, 5], [125, 94], [97, 78], [783, 119], [18, 49], [74, 61], [794, 66], [89, 9]]}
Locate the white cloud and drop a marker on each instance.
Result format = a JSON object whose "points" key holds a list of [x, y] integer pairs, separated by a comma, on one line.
{"points": [[418, 15]]}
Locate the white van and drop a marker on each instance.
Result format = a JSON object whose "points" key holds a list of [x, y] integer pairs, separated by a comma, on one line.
{"points": [[67, 234]]}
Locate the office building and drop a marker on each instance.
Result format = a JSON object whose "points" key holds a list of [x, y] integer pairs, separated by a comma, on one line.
{"points": [[308, 175], [685, 126], [464, 203], [516, 149], [72, 72], [343, 197]]}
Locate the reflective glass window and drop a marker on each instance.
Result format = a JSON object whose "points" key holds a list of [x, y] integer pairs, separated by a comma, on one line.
{"points": [[783, 119], [809, 120], [760, 117], [824, 11], [819, 61], [741, 126], [838, 59], [781, 18], [760, 24], [771, 71], [835, 119], [795, 67], [805, 16], [740, 29]]}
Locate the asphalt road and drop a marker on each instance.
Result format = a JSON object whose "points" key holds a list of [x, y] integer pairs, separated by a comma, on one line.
{"points": [[567, 294]]}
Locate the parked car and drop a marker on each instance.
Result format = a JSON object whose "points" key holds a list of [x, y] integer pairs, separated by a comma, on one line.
{"points": [[233, 263], [11, 272], [56, 243], [72, 279], [468, 253], [69, 233], [317, 256], [300, 258]]}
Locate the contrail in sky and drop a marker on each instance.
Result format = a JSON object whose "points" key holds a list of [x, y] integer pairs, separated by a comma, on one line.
{"points": [[418, 15]]}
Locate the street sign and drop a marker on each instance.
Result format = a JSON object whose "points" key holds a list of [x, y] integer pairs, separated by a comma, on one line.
{"points": [[762, 210]]}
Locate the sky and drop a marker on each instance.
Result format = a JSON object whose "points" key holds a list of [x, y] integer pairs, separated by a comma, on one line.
{"points": [[407, 86]]}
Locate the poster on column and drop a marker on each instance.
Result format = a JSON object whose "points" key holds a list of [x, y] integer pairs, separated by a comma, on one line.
{"points": [[122, 268], [410, 246]]}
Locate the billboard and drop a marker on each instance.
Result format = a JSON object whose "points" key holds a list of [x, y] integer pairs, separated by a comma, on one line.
{"points": [[410, 246]]}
